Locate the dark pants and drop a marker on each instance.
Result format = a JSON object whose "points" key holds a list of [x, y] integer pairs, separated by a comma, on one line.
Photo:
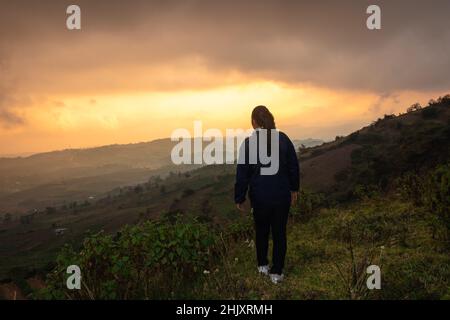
{"points": [[269, 218]]}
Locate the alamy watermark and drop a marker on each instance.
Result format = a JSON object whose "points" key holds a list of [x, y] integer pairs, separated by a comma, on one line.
{"points": [[373, 22], [74, 280], [374, 280], [262, 147], [73, 21]]}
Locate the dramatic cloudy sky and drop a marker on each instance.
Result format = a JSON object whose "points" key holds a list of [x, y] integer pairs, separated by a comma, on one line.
{"points": [[137, 70]]}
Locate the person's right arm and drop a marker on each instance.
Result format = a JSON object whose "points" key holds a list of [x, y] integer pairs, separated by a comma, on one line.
{"points": [[293, 170]]}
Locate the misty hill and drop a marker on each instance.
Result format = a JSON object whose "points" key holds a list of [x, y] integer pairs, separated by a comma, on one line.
{"points": [[75, 174], [307, 143], [23, 172], [51, 178]]}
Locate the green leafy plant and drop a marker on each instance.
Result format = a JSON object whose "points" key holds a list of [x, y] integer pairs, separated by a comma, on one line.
{"points": [[149, 260]]}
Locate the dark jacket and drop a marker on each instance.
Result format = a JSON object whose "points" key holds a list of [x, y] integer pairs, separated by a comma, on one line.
{"points": [[268, 189]]}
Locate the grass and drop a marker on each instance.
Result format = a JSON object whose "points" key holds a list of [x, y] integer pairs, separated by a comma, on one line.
{"points": [[328, 251], [413, 265]]}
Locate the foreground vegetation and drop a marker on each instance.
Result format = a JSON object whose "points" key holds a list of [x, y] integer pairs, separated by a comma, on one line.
{"points": [[329, 251]]}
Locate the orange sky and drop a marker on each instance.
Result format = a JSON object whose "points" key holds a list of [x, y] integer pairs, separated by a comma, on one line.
{"points": [[129, 76], [93, 120]]}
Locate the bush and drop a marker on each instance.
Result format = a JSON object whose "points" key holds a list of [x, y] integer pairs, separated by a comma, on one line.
{"points": [[415, 276], [150, 260], [366, 191], [436, 195], [432, 191], [414, 107], [410, 186], [374, 223], [240, 229], [307, 203]]}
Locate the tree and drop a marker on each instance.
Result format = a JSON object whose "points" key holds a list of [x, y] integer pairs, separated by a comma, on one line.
{"points": [[414, 107], [445, 99]]}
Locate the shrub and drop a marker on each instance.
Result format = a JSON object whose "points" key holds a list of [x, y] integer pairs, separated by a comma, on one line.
{"points": [[432, 191], [366, 191], [307, 203], [150, 260], [415, 276], [240, 229], [375, 223], [436, 195], [414, 107], [410, 186]]}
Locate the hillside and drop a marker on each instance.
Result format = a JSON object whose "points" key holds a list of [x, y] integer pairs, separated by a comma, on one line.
{"points": [[39, 180], [52, 178], [374, 156], [355, 182], [329, 250]]}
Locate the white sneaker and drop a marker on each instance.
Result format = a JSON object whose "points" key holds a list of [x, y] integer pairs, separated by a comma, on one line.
{"points": [[276, 278], [264, 270]]}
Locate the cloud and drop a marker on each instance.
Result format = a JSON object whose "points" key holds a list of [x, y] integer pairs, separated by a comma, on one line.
{"points": [[8, 118], [382, 98], [172, 45]]}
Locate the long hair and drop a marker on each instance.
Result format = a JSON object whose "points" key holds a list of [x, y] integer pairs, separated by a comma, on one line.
{"points": [[263, 118]]}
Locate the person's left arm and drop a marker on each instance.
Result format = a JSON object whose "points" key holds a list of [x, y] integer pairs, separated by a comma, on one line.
{"points": [[243, 175]]}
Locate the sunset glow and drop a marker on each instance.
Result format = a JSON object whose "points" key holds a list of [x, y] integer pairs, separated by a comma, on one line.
{"points": [[129, 78]]}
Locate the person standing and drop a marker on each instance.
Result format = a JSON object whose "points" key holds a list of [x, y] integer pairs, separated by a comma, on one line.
{"points": [[270, 195]]}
